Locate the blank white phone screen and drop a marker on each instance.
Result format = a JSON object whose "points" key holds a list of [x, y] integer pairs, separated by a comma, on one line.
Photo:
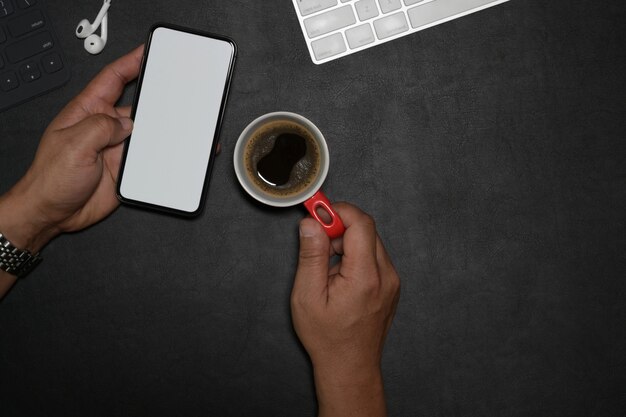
{"points": [[175, 120]]}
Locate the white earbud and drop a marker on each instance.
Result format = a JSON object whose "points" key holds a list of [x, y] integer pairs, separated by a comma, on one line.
{"points": [[94, 44], [85, 28]]}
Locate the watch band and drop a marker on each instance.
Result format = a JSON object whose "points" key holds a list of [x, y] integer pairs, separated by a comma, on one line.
{"points": [[16, 261]]}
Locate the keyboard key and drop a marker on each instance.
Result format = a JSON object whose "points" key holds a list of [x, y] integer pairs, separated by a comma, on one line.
{"points": [[28, 47], [51, 63], [391, 25], [328, 46], [360, 35], [25, 4], [30, 72], [308, 7], [8, 81], [366, 9], [437, 10], [387, 6], [26, 23], [329, 21], [6, 8], [412, 2]]}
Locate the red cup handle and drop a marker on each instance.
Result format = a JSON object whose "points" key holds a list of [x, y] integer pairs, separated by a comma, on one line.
{"points": [[335, 228]]}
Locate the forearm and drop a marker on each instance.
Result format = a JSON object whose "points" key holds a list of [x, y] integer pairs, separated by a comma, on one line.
{"points": [[359, 393], [23, 226], [6, 282]]}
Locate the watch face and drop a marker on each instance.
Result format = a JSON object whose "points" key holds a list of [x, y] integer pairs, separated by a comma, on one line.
{"points": [[16, 261]]}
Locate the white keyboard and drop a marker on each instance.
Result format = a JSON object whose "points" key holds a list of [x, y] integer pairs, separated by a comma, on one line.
{"points": [[336, 28]]}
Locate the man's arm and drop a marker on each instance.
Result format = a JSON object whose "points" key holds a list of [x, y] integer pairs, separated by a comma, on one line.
{"points": [[342, 313], [71, 182], [21, 226]]}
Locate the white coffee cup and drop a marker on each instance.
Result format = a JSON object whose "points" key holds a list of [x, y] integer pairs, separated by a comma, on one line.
{"points": [[311, 195]]}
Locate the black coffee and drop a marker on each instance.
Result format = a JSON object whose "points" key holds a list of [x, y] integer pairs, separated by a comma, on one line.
{"points": [[282, 158], [275, 167]]}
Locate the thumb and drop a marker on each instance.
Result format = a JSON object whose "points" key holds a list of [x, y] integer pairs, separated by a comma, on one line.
{"points": [[312, 273]]}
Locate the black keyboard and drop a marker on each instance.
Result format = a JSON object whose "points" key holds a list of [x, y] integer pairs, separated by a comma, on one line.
{"points": [[31, 60]]}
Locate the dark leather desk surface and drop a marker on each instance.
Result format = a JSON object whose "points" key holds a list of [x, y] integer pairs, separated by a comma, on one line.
{"points": [[491, 151]]}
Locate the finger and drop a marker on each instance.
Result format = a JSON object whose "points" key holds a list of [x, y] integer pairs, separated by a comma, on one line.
{"points": [[123, 111], [382, 257], [100, 131], [389, 276], [109, 84], [312, 272], [336, 246], [102, 92], [359, 241], [112, 159], [349, 215]]}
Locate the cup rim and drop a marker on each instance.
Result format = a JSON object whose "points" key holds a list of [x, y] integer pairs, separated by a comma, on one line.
{"points": [[290, 201]]}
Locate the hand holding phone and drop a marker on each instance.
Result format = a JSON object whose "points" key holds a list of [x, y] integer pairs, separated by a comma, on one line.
{"points": [[177, 112]]}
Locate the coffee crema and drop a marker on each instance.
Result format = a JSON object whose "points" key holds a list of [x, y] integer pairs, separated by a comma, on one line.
{"points": [[282, 158]]}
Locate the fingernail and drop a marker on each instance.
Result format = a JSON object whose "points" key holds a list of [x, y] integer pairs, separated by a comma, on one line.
{"points": [[308, 229], [127, 124]]}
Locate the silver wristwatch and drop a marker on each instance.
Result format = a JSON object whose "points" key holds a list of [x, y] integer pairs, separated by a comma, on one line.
{"points": [[16, 261]]}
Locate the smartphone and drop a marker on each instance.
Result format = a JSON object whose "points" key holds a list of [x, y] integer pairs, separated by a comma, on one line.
{"points": [[177, 111]]}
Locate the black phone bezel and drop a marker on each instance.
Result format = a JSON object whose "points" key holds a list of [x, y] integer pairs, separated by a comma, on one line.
{"points": [[218, 128]]}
